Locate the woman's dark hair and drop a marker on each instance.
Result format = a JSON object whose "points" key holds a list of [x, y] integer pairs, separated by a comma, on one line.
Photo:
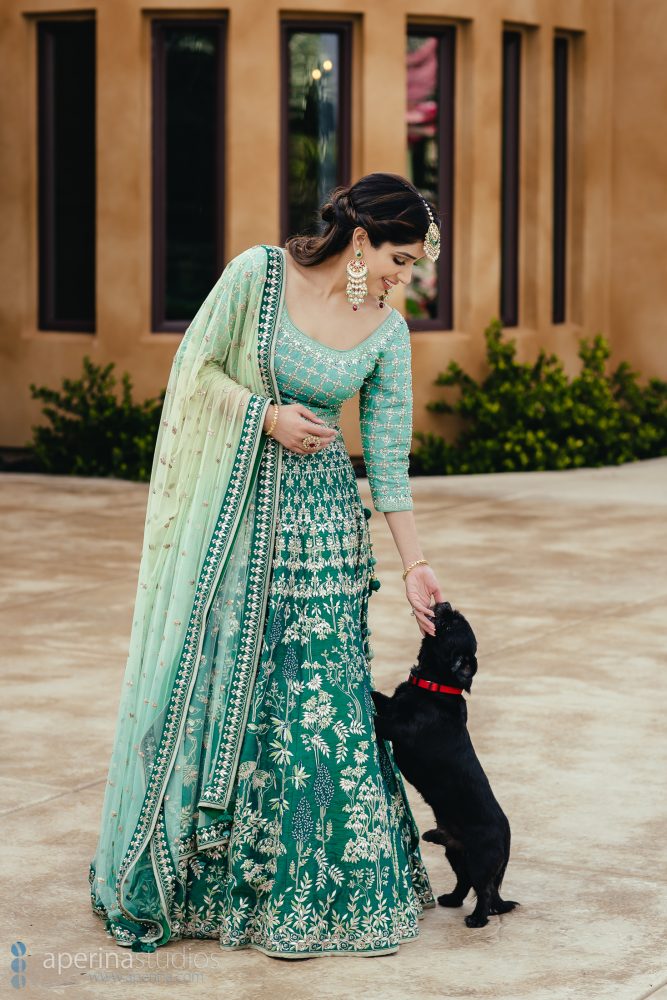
{"points": [[387, 206]]}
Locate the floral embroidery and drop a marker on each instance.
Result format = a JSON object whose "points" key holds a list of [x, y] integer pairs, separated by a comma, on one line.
{"points": [[320, 852], [313, 848]]}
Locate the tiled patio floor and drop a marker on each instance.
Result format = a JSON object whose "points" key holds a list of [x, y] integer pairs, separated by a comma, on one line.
{"points": [[563, 576]]}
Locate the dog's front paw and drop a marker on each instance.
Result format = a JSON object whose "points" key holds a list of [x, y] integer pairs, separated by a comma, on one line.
{"points": [[380, 700], [474, 921], [434, 836]]}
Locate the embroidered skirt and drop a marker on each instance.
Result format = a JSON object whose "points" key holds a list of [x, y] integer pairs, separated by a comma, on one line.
{"points": [[321, 855]]}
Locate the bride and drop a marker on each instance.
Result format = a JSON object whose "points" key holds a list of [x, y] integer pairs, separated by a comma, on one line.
{"points": [[248, 799]]}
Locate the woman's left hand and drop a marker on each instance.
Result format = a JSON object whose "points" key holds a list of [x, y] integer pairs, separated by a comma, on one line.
{"points": [[420, 585]]}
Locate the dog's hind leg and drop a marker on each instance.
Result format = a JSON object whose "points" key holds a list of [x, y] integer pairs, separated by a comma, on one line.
{"points": [[478, 917], [484, 865], [496, 904], [456, 858], [463, 885]]}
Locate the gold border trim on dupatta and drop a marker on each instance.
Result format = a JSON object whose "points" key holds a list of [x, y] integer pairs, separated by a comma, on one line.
{"points": [[220, 788], [242, 478]]}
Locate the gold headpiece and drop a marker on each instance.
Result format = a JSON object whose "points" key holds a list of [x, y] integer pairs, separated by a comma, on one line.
{"points": [[432, 238]]}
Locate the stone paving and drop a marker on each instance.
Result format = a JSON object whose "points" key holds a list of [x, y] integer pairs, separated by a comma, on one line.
{"points": [[563, 576]]}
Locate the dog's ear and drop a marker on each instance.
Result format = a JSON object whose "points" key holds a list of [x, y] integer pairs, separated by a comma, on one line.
{"points": [[461, 666], [464, 669]]}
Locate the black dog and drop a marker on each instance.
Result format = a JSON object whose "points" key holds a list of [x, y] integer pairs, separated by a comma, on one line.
{"points": [[426, 721]]}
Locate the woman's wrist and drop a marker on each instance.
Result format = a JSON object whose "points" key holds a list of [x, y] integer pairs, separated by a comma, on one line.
{"points": [[412, 565], [402, 526], [414, 556], [271, 418]]}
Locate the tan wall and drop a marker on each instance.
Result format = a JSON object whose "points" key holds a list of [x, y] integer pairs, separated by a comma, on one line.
{"points": [[638, 225], [618, 196]]}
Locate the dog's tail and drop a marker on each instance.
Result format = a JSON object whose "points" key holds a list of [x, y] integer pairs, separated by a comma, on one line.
{"points": [[498, 881]]}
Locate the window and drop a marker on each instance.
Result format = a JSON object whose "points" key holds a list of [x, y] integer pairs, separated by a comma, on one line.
{"points": [[315, 120], [510, 180], [188, 166], [430, 165], [66, 174], [560, 158]]}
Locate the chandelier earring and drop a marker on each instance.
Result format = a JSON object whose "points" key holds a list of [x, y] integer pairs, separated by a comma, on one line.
{"points": [[357, 289]]}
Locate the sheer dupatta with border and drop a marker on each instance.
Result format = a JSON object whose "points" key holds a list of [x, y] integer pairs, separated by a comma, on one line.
{"points": [[212, 504]]}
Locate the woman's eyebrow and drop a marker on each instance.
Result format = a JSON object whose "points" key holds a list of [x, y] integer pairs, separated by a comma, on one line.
{"points": [[402, 253]]}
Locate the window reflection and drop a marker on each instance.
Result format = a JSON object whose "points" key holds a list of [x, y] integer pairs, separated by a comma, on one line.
{"points": [[188, 167], [423, 158], [314, 158], [66, 162]]}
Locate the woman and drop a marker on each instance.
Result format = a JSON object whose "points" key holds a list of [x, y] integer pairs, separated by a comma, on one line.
{"points": [[248, 798]]}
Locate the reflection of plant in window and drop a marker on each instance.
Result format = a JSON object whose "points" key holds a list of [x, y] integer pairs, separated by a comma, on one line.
{"points": [[422, 58], [421, 293], [313, 107]]}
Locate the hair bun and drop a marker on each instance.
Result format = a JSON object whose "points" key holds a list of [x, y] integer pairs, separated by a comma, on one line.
{"points": [[343, 206], [339, 209], [328, 213]]}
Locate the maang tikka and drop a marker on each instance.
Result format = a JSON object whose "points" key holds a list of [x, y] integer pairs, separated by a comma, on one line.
{"points": [[432, 238], [357, 289]]}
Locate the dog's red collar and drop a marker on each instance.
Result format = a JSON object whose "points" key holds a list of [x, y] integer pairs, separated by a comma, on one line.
{"points": [[432, 686]]}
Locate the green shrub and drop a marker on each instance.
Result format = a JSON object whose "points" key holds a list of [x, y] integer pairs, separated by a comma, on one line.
{"points": [[91, 432], [533, 416]]}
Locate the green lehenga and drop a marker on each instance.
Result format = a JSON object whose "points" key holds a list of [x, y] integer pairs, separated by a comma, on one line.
{"points": [[322, 855], [281, 823]]}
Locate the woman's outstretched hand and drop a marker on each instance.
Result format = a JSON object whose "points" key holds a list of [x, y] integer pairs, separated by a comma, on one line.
{"points": [[292, 426], [420, 585]]}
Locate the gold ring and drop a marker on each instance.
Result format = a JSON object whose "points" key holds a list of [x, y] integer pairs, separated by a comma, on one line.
{"points": [[310, 441]]}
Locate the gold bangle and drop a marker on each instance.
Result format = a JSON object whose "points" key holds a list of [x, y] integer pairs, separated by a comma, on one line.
{"points": [[273, 422], [417, 562]]}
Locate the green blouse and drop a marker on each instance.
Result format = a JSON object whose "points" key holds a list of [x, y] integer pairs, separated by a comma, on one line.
{"points": [[379, 368]]}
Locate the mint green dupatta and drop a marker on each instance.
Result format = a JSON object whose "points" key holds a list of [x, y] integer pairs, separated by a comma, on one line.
{"points": [[209, 533]]}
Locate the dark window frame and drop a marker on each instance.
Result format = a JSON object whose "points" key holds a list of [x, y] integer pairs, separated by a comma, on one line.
{"points": [[446, 34], [345, 28], [561, 57], [46, 284], [510, 184], [159, 324]]}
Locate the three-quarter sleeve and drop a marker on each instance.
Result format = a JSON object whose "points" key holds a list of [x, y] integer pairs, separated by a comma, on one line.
{"points": [[385, 414]]}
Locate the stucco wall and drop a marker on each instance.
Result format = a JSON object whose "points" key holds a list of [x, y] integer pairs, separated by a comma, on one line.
{"points": [[618, 195], [638, 230]]}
